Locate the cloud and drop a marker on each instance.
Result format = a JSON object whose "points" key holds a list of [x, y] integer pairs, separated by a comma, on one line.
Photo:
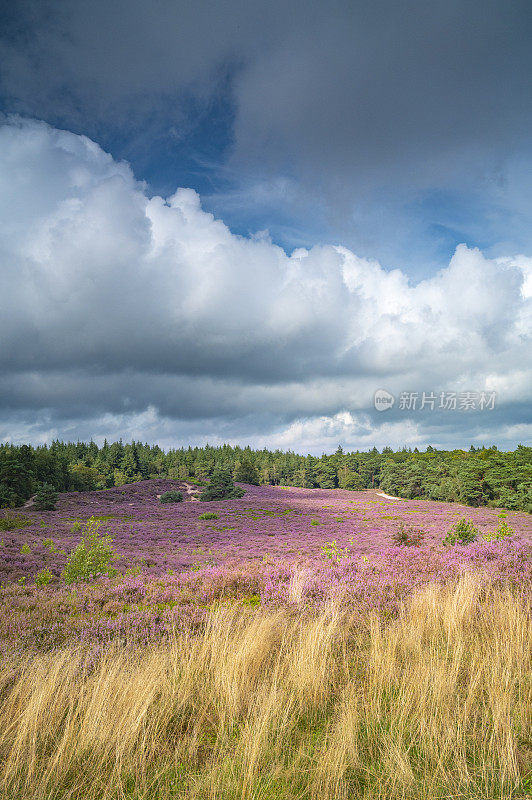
{"points": [[409, 122], [128, 309]]}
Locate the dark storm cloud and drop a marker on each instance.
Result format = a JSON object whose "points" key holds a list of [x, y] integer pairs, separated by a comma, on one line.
{"points": [[371, 88], [383, 82], [73, 60], [407, 123]]}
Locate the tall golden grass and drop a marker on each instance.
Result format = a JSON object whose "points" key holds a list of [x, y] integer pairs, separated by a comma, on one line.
{"points": [[277, 704]]}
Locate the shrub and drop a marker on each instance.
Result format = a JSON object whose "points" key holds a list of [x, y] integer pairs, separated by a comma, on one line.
{"points": [[171, 497], [43, 577], [336, 554], [208, 515], [408, 536], [9, 523], [221, 487], [251, 600], [463, 532], [46, 497], [25, 549], [502, 532], [92, 556], [331, 551]]}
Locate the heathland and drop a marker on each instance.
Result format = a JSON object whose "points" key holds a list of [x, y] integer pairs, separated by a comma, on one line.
{"points": [[287, 643], [475, 477]]}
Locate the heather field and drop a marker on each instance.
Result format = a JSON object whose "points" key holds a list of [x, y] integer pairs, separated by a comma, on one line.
{"points": [[286, 648], [279, 524], [274, 546]]}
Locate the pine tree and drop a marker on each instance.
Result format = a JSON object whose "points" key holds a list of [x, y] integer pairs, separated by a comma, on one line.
{"points": [[221, 487], [15, 480], [246, 472], [46, 497]]}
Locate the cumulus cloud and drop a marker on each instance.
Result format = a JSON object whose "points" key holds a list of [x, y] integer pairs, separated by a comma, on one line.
{"points": [[152, 312]]}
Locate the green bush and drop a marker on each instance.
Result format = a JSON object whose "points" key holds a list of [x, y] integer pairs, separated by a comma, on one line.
{"points": [[25, 549], [46, 497], [221, 487], [463, 532], [9, 523], [502, 532], [49, 543], [408, 536], [336, 554], [43, 577], [171, 497], [92, 557], [208, 515]]}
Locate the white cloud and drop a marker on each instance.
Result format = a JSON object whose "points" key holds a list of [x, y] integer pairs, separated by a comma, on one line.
{"points": [[322, 434], [123, 303]]}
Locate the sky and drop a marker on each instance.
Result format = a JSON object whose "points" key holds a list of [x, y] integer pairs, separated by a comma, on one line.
{"points": [[238, 221]]}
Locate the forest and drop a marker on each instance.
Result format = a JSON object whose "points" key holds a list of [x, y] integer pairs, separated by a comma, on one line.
{"points": [[483, 476]]}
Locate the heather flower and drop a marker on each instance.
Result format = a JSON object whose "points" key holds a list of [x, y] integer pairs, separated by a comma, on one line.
{"points": [[262, 541]]}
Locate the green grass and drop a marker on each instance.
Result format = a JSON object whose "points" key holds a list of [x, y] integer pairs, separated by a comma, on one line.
{"points": [[223, 528], [101, 518]]}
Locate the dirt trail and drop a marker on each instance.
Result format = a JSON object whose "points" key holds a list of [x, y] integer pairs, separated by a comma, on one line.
{"points": [[191, 490], [389, 496]]}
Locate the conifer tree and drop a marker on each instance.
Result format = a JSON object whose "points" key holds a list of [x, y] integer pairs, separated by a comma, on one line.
{"points": [[221, 487]]}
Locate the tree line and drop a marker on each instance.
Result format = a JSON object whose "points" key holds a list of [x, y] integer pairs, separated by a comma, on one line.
{"points": [[478, 476]]}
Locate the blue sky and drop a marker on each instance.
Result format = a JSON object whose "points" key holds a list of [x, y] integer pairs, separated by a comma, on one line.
{"points": [[390, 142]]}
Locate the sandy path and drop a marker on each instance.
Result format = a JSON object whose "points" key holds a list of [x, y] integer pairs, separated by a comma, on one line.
{"points": [[389, 496]]}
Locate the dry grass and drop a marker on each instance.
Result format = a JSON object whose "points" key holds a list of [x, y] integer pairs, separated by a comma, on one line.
{"points": [[284, 705]]}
